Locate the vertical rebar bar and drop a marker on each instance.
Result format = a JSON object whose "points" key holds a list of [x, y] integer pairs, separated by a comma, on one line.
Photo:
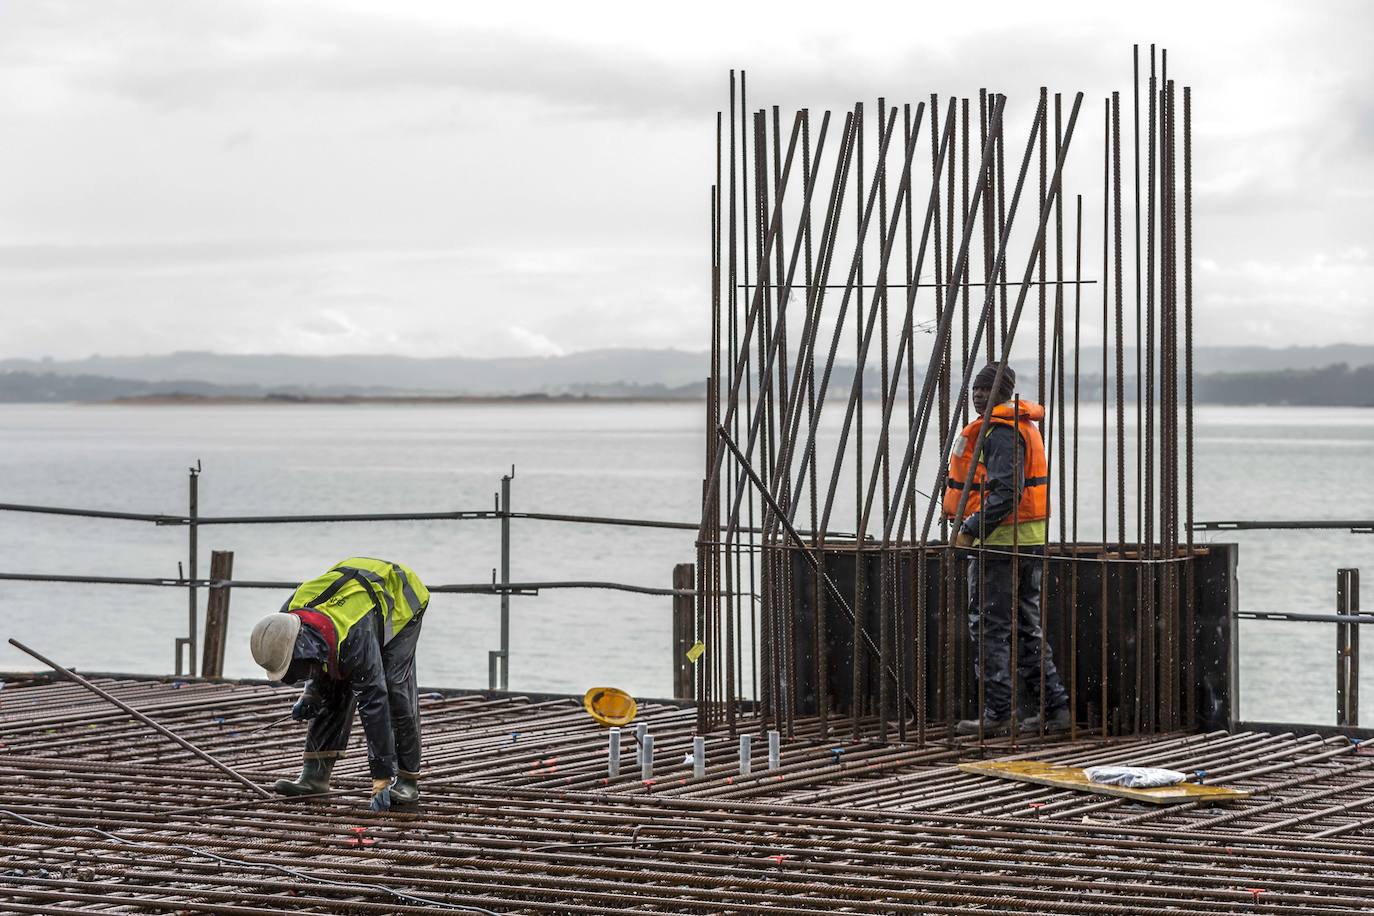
{"points": [[1144, 609], [1040, 381], [1189, 585], [1077, 376], [1121, 378], [1105, 568]]}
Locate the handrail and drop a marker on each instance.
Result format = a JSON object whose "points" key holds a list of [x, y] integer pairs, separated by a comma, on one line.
{"points": [[1305, 616], [464, 588], [1356, 526], [193, 521], [97, 513], [455, 515]]}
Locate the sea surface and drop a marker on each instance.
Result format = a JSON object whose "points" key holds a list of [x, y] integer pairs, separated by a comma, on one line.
{"points": [[634, 460]]}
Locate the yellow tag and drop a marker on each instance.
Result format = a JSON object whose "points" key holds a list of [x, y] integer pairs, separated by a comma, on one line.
{"points": [[697, 651]]}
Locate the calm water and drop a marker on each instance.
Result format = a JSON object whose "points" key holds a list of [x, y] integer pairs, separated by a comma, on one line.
{"points": [[631, 460]]}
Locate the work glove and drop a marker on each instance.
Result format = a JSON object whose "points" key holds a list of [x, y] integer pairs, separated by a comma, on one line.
{"points": [[381, 795], [963, 540], [307, 707]]}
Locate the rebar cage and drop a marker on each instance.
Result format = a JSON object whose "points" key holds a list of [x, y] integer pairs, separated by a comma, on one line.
{"points": [[834, 258]]}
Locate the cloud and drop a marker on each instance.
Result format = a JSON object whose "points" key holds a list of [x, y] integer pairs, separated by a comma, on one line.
{"points": [[335, 298], [534, 343], [500, 178], [326, 324], [209, 51], [1255, 301]]}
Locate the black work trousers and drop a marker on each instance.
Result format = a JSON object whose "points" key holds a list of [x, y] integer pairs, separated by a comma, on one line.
{"points": [[990, 620], [328, 734]]}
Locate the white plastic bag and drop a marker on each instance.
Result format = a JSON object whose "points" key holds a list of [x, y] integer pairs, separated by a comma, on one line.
{"points": [[1135, 777]]}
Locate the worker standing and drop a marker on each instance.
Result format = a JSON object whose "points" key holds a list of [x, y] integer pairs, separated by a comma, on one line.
{"points": [[1007, 506], [350, 636]]}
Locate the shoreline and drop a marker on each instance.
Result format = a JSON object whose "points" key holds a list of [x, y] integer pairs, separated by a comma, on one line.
{"points": [[192, 400], [180, 400]]}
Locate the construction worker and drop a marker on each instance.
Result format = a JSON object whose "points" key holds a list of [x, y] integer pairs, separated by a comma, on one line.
{"points": [[1008, 506], [350, 636]]}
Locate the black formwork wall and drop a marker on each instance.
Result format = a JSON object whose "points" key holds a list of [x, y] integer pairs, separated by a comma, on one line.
{"points": [[1136, 671]]}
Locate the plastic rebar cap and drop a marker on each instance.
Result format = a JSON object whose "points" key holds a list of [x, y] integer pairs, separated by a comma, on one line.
{"points": [[610, 706], [273, 641]]}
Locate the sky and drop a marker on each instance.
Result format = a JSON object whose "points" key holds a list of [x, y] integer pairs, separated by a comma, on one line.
{"points": [[438, 178]]}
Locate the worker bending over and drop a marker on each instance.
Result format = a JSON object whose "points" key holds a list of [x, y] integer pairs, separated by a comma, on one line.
{"points": [[350, 636], [1007, 505]]}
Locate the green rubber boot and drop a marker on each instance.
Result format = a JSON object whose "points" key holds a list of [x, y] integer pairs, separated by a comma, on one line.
{"points": [[405, 790], [314, 778]]}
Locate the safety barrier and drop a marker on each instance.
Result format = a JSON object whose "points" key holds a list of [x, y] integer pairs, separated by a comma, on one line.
{"points": [[220, 583]]}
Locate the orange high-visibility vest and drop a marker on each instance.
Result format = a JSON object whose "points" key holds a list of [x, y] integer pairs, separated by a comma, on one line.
{"points": [[1035, 494]]}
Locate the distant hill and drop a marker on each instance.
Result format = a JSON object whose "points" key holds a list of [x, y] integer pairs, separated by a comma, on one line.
{"points": [[447, 375], [1232, 375], [1329, 386], [1250, 359], [47, 387], [40, 387], [507, 375]]}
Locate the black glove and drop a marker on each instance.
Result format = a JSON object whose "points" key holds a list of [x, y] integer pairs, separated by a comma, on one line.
{"points": [[307, 707]]}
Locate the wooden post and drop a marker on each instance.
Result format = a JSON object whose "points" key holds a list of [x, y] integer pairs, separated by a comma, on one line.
{"points": [[217, 615], [684, 632]]}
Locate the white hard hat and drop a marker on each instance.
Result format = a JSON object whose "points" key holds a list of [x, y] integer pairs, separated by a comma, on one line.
{"points": [[273, 639]]}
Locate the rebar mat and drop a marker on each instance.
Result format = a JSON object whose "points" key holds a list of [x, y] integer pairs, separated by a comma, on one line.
{"points": [[518, 815]]}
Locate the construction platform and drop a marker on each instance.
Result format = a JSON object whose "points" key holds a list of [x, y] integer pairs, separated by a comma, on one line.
{"points": [[101, 814]]}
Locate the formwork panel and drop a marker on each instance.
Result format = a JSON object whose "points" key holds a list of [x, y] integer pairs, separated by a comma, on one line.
{"points": [[1073, 617]]}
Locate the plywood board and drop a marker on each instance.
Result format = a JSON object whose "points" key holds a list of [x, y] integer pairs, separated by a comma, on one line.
{"points": [[1065, 777]]}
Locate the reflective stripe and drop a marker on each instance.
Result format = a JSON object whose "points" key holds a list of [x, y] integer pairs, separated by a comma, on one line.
{"points": [[411, 598], [1028, 482], [366, 576]]}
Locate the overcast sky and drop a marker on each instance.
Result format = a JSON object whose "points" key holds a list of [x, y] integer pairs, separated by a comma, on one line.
{"points": [[439, 178]]}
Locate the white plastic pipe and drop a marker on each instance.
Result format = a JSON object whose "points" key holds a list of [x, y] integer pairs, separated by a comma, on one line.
{"points": [[613, 756], [774, 749], [699, 756], [746, 745]]}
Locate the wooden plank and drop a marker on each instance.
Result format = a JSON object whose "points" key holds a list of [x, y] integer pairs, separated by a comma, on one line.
{"points": [[684, 623], [217, 615], [1066, 777]]}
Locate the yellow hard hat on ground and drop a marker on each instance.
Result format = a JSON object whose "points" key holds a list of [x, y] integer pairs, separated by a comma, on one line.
{"points": [[610, 706]]}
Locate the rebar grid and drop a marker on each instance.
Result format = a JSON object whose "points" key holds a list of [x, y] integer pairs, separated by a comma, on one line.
{"points": [[519, 815]]}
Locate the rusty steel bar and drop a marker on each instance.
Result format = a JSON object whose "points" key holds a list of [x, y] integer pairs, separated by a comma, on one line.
{"points": [[105, 695]]}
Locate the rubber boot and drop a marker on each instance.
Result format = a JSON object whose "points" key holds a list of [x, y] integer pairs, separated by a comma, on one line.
{"points": [[314, 778], [1056, 720], [405, 790], [992, 728]]}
